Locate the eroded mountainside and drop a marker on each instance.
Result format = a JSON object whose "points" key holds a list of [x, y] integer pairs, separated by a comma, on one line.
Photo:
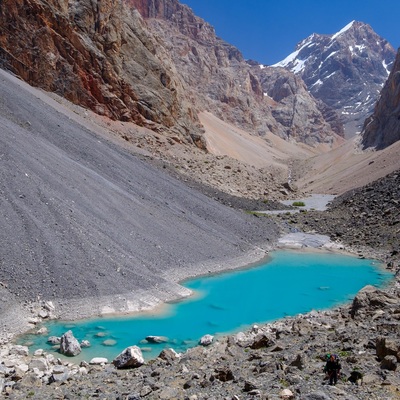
{"points": [[346, 70], [99, 54], [158, 72], [382, 128]]}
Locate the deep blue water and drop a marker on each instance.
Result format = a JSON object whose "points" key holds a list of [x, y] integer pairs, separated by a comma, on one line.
{"points": [[289, 283]]}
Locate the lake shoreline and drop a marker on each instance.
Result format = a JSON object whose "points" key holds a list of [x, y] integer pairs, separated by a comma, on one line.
{"points": [[151, 304]]}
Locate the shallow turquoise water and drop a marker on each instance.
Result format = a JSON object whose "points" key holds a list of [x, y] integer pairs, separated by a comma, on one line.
{"points": [[288, 284]]}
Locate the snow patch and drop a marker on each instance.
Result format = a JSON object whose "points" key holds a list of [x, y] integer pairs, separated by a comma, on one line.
{"points": [[346, 28], [386, 67], [292, 57], [319, 82], [331, 55]]}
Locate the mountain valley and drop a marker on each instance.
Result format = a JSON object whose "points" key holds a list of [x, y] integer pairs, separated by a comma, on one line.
{"points": [[139, 149]]}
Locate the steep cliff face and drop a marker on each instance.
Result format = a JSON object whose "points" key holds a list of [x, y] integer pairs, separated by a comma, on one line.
{"points": [[346, 70], [303, 118], [97, 54], [152, 62], [219, 80], [382, 128]]}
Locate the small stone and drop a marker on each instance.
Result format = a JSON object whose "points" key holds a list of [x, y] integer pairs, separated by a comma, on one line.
{"points": [[206, 340], [131, 357], [98, 361]]}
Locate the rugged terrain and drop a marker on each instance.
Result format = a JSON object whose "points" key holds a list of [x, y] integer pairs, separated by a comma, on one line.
{"points": [[153, 63], [81, 208], [382, 128], [345, 70], [106, 212]]}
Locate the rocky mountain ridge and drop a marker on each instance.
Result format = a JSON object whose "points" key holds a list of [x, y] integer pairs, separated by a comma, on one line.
{"points": [[151, 62], [346, 70], [382, 128]]}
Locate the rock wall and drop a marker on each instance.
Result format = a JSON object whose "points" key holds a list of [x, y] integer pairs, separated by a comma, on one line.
{"points": [[219, 80], [382, 128], [152, 62], [96, 54]]}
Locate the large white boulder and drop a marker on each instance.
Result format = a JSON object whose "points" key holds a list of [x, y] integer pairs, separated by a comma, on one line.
{"points": [[69, 345], [131, 357]]}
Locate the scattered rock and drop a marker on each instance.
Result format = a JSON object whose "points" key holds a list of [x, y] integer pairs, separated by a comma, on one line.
{"points": [[156, 339], [206, 340], [98, 361], [69, 345], [131, 357]]}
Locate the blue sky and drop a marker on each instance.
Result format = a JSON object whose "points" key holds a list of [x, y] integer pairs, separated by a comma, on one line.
{"points": [[268, 30]]}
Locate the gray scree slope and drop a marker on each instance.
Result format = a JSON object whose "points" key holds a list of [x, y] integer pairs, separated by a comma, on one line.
{"points": [[82, 217]]}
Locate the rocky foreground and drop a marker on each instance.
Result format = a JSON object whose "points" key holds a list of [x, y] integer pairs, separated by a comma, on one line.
{"points": [[284, 359]]}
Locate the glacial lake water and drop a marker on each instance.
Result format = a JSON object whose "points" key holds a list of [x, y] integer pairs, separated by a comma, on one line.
{"points": [[287, 284]]}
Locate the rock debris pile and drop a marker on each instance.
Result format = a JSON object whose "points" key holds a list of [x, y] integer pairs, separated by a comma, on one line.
{"points": [[281, 360]]}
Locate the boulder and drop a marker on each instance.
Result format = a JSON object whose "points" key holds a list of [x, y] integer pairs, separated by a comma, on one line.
{"points": [[131, 357], [262, 340], [69, 345], [40, 364], [156, 339], [19, 350], [370, 299], [169, 355], [60, 373], [98, 361], [54, 340], [286, 394], [387, 347], [206, 340], [389, 363]]}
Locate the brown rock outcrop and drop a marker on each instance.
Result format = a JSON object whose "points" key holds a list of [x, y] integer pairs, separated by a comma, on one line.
{"points": [[219, 80], [96, 54], [158, 72], [382, 128]]}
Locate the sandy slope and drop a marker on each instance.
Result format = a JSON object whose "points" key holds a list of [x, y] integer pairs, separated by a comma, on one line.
{"points": [[347, 167], [317, 170], [225, 139]]}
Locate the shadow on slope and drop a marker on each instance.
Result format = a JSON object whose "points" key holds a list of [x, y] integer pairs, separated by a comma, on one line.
{"points": [[84, 218]]}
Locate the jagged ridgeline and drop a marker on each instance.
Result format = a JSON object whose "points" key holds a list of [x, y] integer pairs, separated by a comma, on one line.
{"points": [[345, 70], [156, 64]]}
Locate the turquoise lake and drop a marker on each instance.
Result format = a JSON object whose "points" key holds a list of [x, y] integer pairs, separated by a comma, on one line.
{"points": [[289, 283]]}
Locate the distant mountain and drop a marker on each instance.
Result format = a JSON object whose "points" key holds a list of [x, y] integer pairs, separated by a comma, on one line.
{"points": [[346, 70], [219, 80], [382, 128]]}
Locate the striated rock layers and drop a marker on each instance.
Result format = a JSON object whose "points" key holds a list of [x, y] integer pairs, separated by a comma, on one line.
{"points": [[151, 62], [382, 128], [96, 54], [219, 80], [346, 70]]}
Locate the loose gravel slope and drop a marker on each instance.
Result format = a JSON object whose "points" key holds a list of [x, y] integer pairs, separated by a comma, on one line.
{"points": [[83, 218]]}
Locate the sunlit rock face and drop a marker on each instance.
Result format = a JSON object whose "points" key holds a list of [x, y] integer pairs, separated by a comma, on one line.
{"points": [[382, 128], [346, 70], [154, 63], [97, 54]]}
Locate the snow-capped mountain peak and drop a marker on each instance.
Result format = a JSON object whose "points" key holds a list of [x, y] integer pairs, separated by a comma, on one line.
{"points": [[343, 30], [346, 70]]}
